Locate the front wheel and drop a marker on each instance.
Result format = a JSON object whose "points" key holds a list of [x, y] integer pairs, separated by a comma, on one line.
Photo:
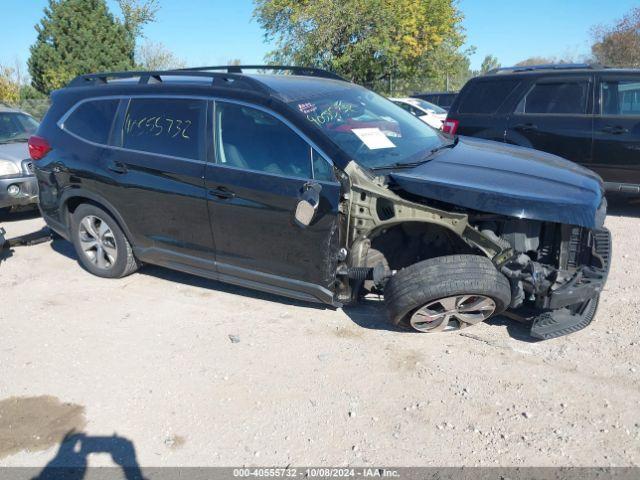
{"points": [[446, 293]]}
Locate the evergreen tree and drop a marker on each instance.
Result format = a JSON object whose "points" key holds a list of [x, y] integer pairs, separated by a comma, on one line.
{"points": [[77, 37]]}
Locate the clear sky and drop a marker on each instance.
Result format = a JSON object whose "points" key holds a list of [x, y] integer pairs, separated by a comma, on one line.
{"points": [[205, 32]]}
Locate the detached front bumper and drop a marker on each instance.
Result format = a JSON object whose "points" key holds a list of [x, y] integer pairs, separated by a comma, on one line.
{"points": [[18, 191]]}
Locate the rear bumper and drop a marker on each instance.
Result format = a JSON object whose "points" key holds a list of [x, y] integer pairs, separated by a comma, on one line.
{"points": [[27, 193], [589, 280], [59, 228]]}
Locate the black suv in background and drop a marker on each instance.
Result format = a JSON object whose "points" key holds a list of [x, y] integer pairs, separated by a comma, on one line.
{"points": [[441, 99], [587, 114], [306, 185]]}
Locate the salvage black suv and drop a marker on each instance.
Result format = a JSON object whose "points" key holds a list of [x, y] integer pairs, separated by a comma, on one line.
{"points": [[301, 184]]}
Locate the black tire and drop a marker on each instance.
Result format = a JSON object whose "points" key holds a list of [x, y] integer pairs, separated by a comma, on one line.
{"points": [[419, 284], [125, 262]]}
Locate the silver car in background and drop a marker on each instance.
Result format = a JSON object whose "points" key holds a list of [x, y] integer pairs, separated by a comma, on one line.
{"points": [[18, 185]]}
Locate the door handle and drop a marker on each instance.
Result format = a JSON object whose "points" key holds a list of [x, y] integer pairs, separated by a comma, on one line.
{"points": [[615, 130], [222, 192], [526, 127], [117, 167]]}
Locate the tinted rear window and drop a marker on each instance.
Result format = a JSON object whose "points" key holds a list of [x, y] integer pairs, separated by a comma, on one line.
{"points": [[446, 100], [556, 98], [486, 96], [166, 126], [92, 120]]}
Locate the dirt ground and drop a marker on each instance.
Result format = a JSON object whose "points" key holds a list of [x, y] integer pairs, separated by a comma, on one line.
{"points": [[190, 372]]}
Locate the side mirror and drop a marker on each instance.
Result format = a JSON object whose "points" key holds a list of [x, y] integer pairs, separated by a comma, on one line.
{"points": [[308, 204]]}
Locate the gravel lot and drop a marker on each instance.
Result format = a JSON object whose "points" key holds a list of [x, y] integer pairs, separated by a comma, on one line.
{"points": [[150, 358]]}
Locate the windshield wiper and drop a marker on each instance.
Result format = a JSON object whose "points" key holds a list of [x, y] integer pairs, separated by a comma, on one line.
{"points": [[14, 140], [426, 159]]}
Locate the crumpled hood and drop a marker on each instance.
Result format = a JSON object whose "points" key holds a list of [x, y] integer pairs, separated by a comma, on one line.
{"points": [[15, 152], [499, 178]]}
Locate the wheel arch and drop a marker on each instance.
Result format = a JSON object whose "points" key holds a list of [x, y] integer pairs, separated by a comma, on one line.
{"points": [[421, 240], [72, 199]]}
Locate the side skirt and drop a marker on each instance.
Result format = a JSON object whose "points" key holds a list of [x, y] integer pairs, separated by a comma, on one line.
{"points": [[242, 277]]}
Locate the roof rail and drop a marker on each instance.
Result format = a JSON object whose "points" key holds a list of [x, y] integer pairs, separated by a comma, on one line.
{"points": [[550, 66], [239, 69], [225, 80]]}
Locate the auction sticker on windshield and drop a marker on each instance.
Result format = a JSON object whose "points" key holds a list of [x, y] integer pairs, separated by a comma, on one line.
{"points": [[373, 138]]}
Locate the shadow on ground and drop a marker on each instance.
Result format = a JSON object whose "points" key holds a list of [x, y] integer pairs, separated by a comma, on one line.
{"points": [[71, 463], [620, 206], [368, 313]]}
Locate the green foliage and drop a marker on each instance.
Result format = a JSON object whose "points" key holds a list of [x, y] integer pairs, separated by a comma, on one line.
{"points": [[77, 37], [372, 42], [138, 13], [9, 86], [27, 92], [489, 63], [537, 61], [155, 56], [618, 45]]}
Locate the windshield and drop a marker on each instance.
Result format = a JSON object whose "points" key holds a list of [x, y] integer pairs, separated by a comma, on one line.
{"points": [[16, 127], [428, 106], [372, 130]]}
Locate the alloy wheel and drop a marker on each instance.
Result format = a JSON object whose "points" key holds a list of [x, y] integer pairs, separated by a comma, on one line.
{"points": [[98, 242], [452, 313]]}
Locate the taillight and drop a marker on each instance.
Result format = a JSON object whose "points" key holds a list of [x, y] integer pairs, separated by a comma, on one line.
{"points": [[450, 126], [38, 147]]}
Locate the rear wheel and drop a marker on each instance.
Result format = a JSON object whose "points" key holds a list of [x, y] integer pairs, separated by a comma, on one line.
{"points": [[100, 244], [446, 293]]}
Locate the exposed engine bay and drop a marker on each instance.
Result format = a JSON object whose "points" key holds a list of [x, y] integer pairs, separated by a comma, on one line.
{"points": [[553, 265], [550, 266]]}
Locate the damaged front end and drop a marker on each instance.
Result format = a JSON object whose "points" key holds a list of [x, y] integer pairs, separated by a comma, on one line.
{"points": [[374, 213], [556, 271], [556, 274]]}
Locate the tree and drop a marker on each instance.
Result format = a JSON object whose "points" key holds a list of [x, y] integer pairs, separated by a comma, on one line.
{"points": [[9, 86], [536, 61], [618, 45], [489, 63], [138, 13], [372, 42], [77, 37], [155, 56]]}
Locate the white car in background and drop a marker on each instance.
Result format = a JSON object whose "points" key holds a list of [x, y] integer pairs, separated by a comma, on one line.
{"points": [[429, 113]]}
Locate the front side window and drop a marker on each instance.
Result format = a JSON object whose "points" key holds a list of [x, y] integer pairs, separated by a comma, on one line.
{"points": [[16, 127], [92, 120], [251, 139], [550, 98], [322, 169], [620, 97], [372, 130], [166, 126]]}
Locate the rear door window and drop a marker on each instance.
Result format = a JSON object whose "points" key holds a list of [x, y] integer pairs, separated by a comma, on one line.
{"points": [[620, 96], [166, 126], [92, 120], [486, 96], [558, 97]]}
